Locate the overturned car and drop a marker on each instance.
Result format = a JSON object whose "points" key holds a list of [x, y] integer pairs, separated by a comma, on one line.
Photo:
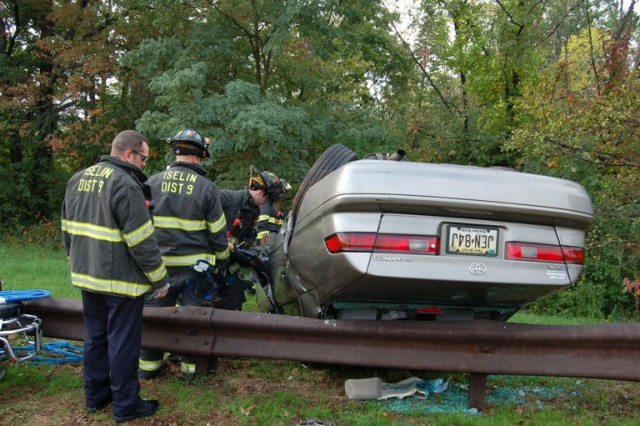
{"points": [[372, 239]]}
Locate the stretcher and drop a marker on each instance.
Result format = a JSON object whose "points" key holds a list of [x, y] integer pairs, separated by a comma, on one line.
{"points": [[17, 326]]}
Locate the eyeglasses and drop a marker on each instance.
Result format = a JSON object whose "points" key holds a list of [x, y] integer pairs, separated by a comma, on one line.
{"points": [[144, 157]]}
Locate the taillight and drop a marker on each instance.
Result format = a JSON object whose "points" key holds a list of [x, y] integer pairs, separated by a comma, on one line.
{"points": [[350, 242], [413, 244], [573, 254], [430, 310], [544, 253], [370, 242]]}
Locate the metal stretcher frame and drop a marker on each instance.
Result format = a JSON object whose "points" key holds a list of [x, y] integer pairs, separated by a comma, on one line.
{"points": [[14, 322], [24, 325]]}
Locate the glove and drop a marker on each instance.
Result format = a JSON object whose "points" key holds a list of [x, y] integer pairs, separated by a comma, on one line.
{"points": [[220, 272]]}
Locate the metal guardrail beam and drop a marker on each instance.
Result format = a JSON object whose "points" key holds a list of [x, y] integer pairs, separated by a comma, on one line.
{"points": [[476, 347]]}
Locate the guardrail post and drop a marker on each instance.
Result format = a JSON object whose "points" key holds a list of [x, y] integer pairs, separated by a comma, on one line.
{"points": [[477, 390], [206, 364]]}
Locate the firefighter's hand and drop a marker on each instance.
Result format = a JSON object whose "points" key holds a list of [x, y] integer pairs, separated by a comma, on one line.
{"points": [[161, 292]]}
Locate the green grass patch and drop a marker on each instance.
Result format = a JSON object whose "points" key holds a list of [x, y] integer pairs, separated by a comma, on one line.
{"points": [[36, 267], [524, 317], [292, 393]]}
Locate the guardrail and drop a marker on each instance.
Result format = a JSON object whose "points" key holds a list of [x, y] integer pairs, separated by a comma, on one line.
{"points": [[476, 347]]}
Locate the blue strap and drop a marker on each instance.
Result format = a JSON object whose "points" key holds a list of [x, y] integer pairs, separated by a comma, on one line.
{"points": [[65, 353]]}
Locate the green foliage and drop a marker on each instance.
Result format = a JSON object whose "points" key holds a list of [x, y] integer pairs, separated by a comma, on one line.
{"points": [[583, 300], [542, 87], [301, 91], [23, 205], [261, 124], [576, 126], [245, 129]]}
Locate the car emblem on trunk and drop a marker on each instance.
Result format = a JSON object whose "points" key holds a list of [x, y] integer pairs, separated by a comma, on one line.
{"points": [[477, 268]]}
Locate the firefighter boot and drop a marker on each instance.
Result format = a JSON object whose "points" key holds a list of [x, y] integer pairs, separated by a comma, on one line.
{"points": [[150, 367]]}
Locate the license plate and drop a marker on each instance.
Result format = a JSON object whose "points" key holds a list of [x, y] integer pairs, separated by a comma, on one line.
{"points": [[476, 240]]}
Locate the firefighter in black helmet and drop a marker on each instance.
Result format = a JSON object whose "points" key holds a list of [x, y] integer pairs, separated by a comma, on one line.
{"points": [[192, 234], [241, 210]]}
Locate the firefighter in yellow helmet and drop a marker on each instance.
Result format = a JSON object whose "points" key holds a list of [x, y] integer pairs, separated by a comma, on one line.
{"points": [[271, 218], [241, 210]]}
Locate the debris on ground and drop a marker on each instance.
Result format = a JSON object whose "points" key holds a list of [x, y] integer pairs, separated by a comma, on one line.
{"points": [[429, 396], [375, 388]]}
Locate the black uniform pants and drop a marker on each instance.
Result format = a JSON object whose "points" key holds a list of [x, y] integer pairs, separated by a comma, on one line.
{"points": [[113, 333]]}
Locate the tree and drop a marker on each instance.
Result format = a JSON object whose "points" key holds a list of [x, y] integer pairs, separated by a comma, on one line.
{"points": [[475, 58], [579, 121], [313, 64], [27, 111], [60, 106]]}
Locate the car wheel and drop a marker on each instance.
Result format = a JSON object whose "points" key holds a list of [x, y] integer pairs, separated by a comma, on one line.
{"points": [[331, 159]]}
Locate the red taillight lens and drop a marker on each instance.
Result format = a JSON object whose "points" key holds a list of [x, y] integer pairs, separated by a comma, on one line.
{"points": [[430, 310], [344, 241], [369, 242], [544, 253], [573, 255]]}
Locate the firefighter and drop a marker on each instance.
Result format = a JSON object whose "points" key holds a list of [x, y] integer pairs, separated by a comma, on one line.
{"points": [[242, 209], [271, 219], [108, 236], [191, 233]]}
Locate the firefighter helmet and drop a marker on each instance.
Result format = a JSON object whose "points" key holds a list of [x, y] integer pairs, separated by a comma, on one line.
{"points": [[272, 185], [190, 141]]}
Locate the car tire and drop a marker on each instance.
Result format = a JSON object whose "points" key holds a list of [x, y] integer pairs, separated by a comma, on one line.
{"points": [[330, 160]]}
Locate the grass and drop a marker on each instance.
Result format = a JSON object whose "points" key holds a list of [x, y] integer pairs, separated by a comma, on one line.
{"points": [[256, 392], [36, 267], [265, 392], [524, 317]]}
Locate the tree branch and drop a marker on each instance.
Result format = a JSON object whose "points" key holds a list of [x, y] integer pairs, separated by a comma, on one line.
{"points": [[242, 29], [424, 71], [591, 54], [14, 36], [616, 160], [564, 16], [510, 17]]}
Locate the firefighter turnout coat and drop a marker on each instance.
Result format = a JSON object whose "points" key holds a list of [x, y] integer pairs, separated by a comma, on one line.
{"points": [[108, 233], [241, 213], [270, 220], [190, 223]]}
